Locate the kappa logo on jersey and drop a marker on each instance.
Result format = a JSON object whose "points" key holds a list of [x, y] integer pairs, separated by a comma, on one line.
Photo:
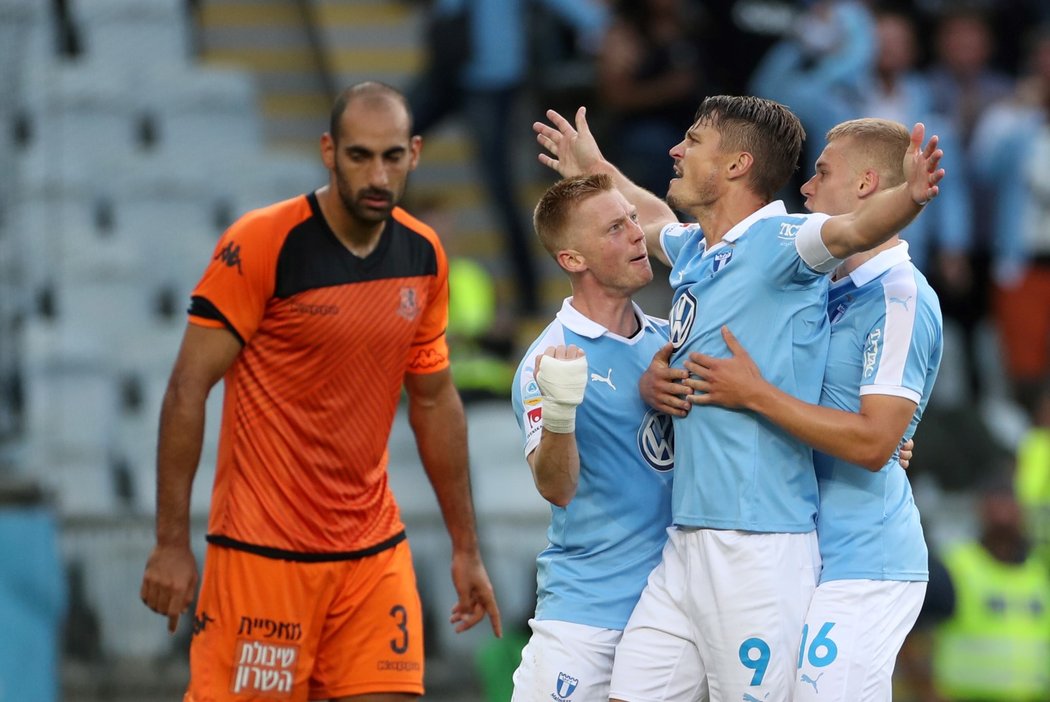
{"points": [[533, 418], [408, 308], [427, 358], [722, 258], [201, 622], [683, 314], [231, 256], [656, 440], [788, 232], [565, 686], [871, 352]]}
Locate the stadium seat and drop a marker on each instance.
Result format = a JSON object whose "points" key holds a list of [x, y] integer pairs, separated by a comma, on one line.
{"points": [[70, 414], [80, 126], [132, 34], [205, 121]]}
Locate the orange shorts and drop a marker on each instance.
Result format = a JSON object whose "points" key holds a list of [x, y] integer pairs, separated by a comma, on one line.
{"points": [[270, 629]]}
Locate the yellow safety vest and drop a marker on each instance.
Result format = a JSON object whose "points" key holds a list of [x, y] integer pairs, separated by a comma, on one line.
{"points": [[1032, 484], [996, 646]]}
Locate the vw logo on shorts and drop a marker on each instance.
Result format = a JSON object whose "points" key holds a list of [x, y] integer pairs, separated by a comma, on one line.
{"points": [[656, 440], [683, 313]]}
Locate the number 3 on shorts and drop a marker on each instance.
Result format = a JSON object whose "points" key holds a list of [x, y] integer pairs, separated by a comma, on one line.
{"points": [[818, 658], [754, 655]]}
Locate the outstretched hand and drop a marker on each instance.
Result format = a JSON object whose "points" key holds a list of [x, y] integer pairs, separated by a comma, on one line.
{"points": [[572, 151], [661, 387], [922, 166]]}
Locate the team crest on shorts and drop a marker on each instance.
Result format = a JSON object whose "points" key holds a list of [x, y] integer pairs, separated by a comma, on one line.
{"points": [[565, 686], [408, 308]]}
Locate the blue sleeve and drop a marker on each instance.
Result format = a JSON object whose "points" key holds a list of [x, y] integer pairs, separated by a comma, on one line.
{"points": [[675, 237]]}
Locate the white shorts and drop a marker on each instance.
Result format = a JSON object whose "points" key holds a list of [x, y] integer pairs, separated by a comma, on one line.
{"points": [[853, 633], [564, 661], [728, 605]]}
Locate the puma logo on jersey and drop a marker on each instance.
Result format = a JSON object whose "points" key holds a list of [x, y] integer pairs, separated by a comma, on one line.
{"points": [[607, 379], [902, 301], [811, 681]]}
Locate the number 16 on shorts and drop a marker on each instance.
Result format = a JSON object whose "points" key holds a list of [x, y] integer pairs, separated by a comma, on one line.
{"points": [[821, 651]]}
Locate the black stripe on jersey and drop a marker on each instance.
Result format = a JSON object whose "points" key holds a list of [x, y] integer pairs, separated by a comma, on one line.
{"points": [[313, 257], [203, 307], [285, 555]]}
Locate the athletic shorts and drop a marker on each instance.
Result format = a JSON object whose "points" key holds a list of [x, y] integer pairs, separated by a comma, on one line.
{"points": [[565, 661], [853, 632], [271, 629], [728, 605]]}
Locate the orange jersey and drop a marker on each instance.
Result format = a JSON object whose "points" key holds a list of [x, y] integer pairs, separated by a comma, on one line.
{"points": [[310, 400]]}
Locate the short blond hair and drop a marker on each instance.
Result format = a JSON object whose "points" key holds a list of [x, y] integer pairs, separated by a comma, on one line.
{"points": [[882, 144], [552, 213]]}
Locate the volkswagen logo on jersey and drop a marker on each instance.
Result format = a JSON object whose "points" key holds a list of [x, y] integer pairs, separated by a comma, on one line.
{"points": [[656, 440], [683, 313], [722, 258]]}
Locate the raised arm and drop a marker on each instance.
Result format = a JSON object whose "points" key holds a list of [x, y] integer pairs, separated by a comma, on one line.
{"points": [[887, 212], [555, 462], [573, 151], [436, 415], [867, 438], [170, 580]]}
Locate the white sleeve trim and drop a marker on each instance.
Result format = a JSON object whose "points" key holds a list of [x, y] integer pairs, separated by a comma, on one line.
{"points": [[532, 443], [893, 390], [663, 234], [810, 245]]}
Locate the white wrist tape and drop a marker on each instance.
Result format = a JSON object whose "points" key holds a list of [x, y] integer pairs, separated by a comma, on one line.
{"points": [[562, 384]]}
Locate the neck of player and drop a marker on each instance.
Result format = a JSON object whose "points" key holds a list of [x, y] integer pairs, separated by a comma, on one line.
{"points": [[614, 312], [359, 237]]}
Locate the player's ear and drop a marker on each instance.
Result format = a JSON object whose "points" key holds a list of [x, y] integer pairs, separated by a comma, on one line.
{"points": [[415, 146], [740, 165], [868, 182], [571, 260], [328, 151]]}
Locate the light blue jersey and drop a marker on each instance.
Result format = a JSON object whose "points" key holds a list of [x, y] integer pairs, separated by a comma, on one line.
{"points": [[766, 280], [604, 543], [886, 339]]}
